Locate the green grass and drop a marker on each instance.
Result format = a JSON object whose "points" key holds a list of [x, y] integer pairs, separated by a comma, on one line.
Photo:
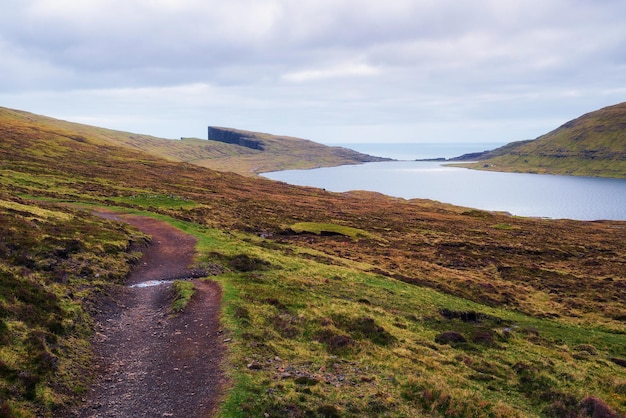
{"points": [[311, 337], [182, 292]]}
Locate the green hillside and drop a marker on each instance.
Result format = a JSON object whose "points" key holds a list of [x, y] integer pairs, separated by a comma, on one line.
{"points": [[348, 305], [279, 153], [591, 145]]}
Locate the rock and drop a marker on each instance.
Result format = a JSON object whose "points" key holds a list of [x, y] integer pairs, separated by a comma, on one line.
{"points": [[233, 137], [254, 365]]}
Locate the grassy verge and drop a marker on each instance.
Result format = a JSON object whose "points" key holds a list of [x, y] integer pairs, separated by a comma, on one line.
{"points": [[55, 265], [182, 292]]}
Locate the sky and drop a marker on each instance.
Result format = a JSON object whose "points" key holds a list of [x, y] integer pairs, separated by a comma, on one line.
{"points": [[333, 71]]}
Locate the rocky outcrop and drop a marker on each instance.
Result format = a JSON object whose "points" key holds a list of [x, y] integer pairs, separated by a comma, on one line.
{"points": [[234, 137]]}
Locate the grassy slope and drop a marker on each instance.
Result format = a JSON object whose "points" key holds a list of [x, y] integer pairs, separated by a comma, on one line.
{"points": [[56, 266], [280, 152], [591, 145], [336, 303]]}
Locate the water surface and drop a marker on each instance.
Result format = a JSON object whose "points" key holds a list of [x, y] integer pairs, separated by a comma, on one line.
{"points": [[151, 283], [551, 196]]}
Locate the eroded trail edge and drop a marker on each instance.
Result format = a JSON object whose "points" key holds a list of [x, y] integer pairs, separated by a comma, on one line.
{"points": [[150, 364]]}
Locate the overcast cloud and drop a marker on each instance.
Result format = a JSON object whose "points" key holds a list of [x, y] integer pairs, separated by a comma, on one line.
{"points": [[327, 70]]}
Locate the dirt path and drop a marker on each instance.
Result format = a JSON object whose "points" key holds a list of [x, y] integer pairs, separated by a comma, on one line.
{"points": [[151, 365]]}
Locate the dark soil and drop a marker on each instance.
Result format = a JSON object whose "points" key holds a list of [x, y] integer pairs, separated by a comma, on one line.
{"points": [[148, 363]]}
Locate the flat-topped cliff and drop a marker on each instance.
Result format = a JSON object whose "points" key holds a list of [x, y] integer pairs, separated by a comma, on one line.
{"points": [[231, 136]]}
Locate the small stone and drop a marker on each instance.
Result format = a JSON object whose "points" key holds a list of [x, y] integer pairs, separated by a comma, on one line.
{"points": [[255, 365]]}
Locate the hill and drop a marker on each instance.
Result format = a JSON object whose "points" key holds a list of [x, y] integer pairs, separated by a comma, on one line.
{"points": [[591, 145], [277, 153], [352, 304]]}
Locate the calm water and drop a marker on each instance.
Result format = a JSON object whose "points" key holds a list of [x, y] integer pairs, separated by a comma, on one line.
{"points": [[583, 198]]}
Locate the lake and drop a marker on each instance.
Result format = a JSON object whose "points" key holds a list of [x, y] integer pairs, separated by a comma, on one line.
{"points": [[550, 196]]}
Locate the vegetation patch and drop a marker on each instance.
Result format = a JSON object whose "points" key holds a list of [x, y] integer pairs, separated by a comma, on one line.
{"points": [[246, 263], [364, 328], [328, 229], [465, 316], [338, 344], [182, 292], [505, 226], [594, 407], [243, 263], [450, 337], [54, 264], [436, 397]]}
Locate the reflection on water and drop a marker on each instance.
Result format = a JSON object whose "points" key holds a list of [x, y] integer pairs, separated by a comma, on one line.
{"points": [[150, 283]]}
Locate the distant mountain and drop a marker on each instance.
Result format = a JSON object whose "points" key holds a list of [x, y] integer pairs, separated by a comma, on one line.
{"points": [[272, 153], [591, 145]]}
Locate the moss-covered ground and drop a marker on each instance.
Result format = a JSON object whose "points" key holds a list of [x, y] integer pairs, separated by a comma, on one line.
{"points": [[349, 304]]}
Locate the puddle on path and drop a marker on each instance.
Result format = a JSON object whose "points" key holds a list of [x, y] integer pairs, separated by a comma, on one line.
{"points": [[150, 283]]}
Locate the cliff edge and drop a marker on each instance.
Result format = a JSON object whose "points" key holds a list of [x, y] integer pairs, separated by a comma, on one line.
{"points": [[231, 136]]}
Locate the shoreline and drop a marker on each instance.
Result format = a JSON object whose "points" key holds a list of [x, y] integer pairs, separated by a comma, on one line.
{"points": [[521, 194]]}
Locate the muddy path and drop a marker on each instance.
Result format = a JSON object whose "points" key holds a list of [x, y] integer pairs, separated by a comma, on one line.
{"points": [[150, 364]]}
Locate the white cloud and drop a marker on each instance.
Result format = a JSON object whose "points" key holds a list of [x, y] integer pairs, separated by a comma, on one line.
{"points": [[340, 71], [306, 64]]}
